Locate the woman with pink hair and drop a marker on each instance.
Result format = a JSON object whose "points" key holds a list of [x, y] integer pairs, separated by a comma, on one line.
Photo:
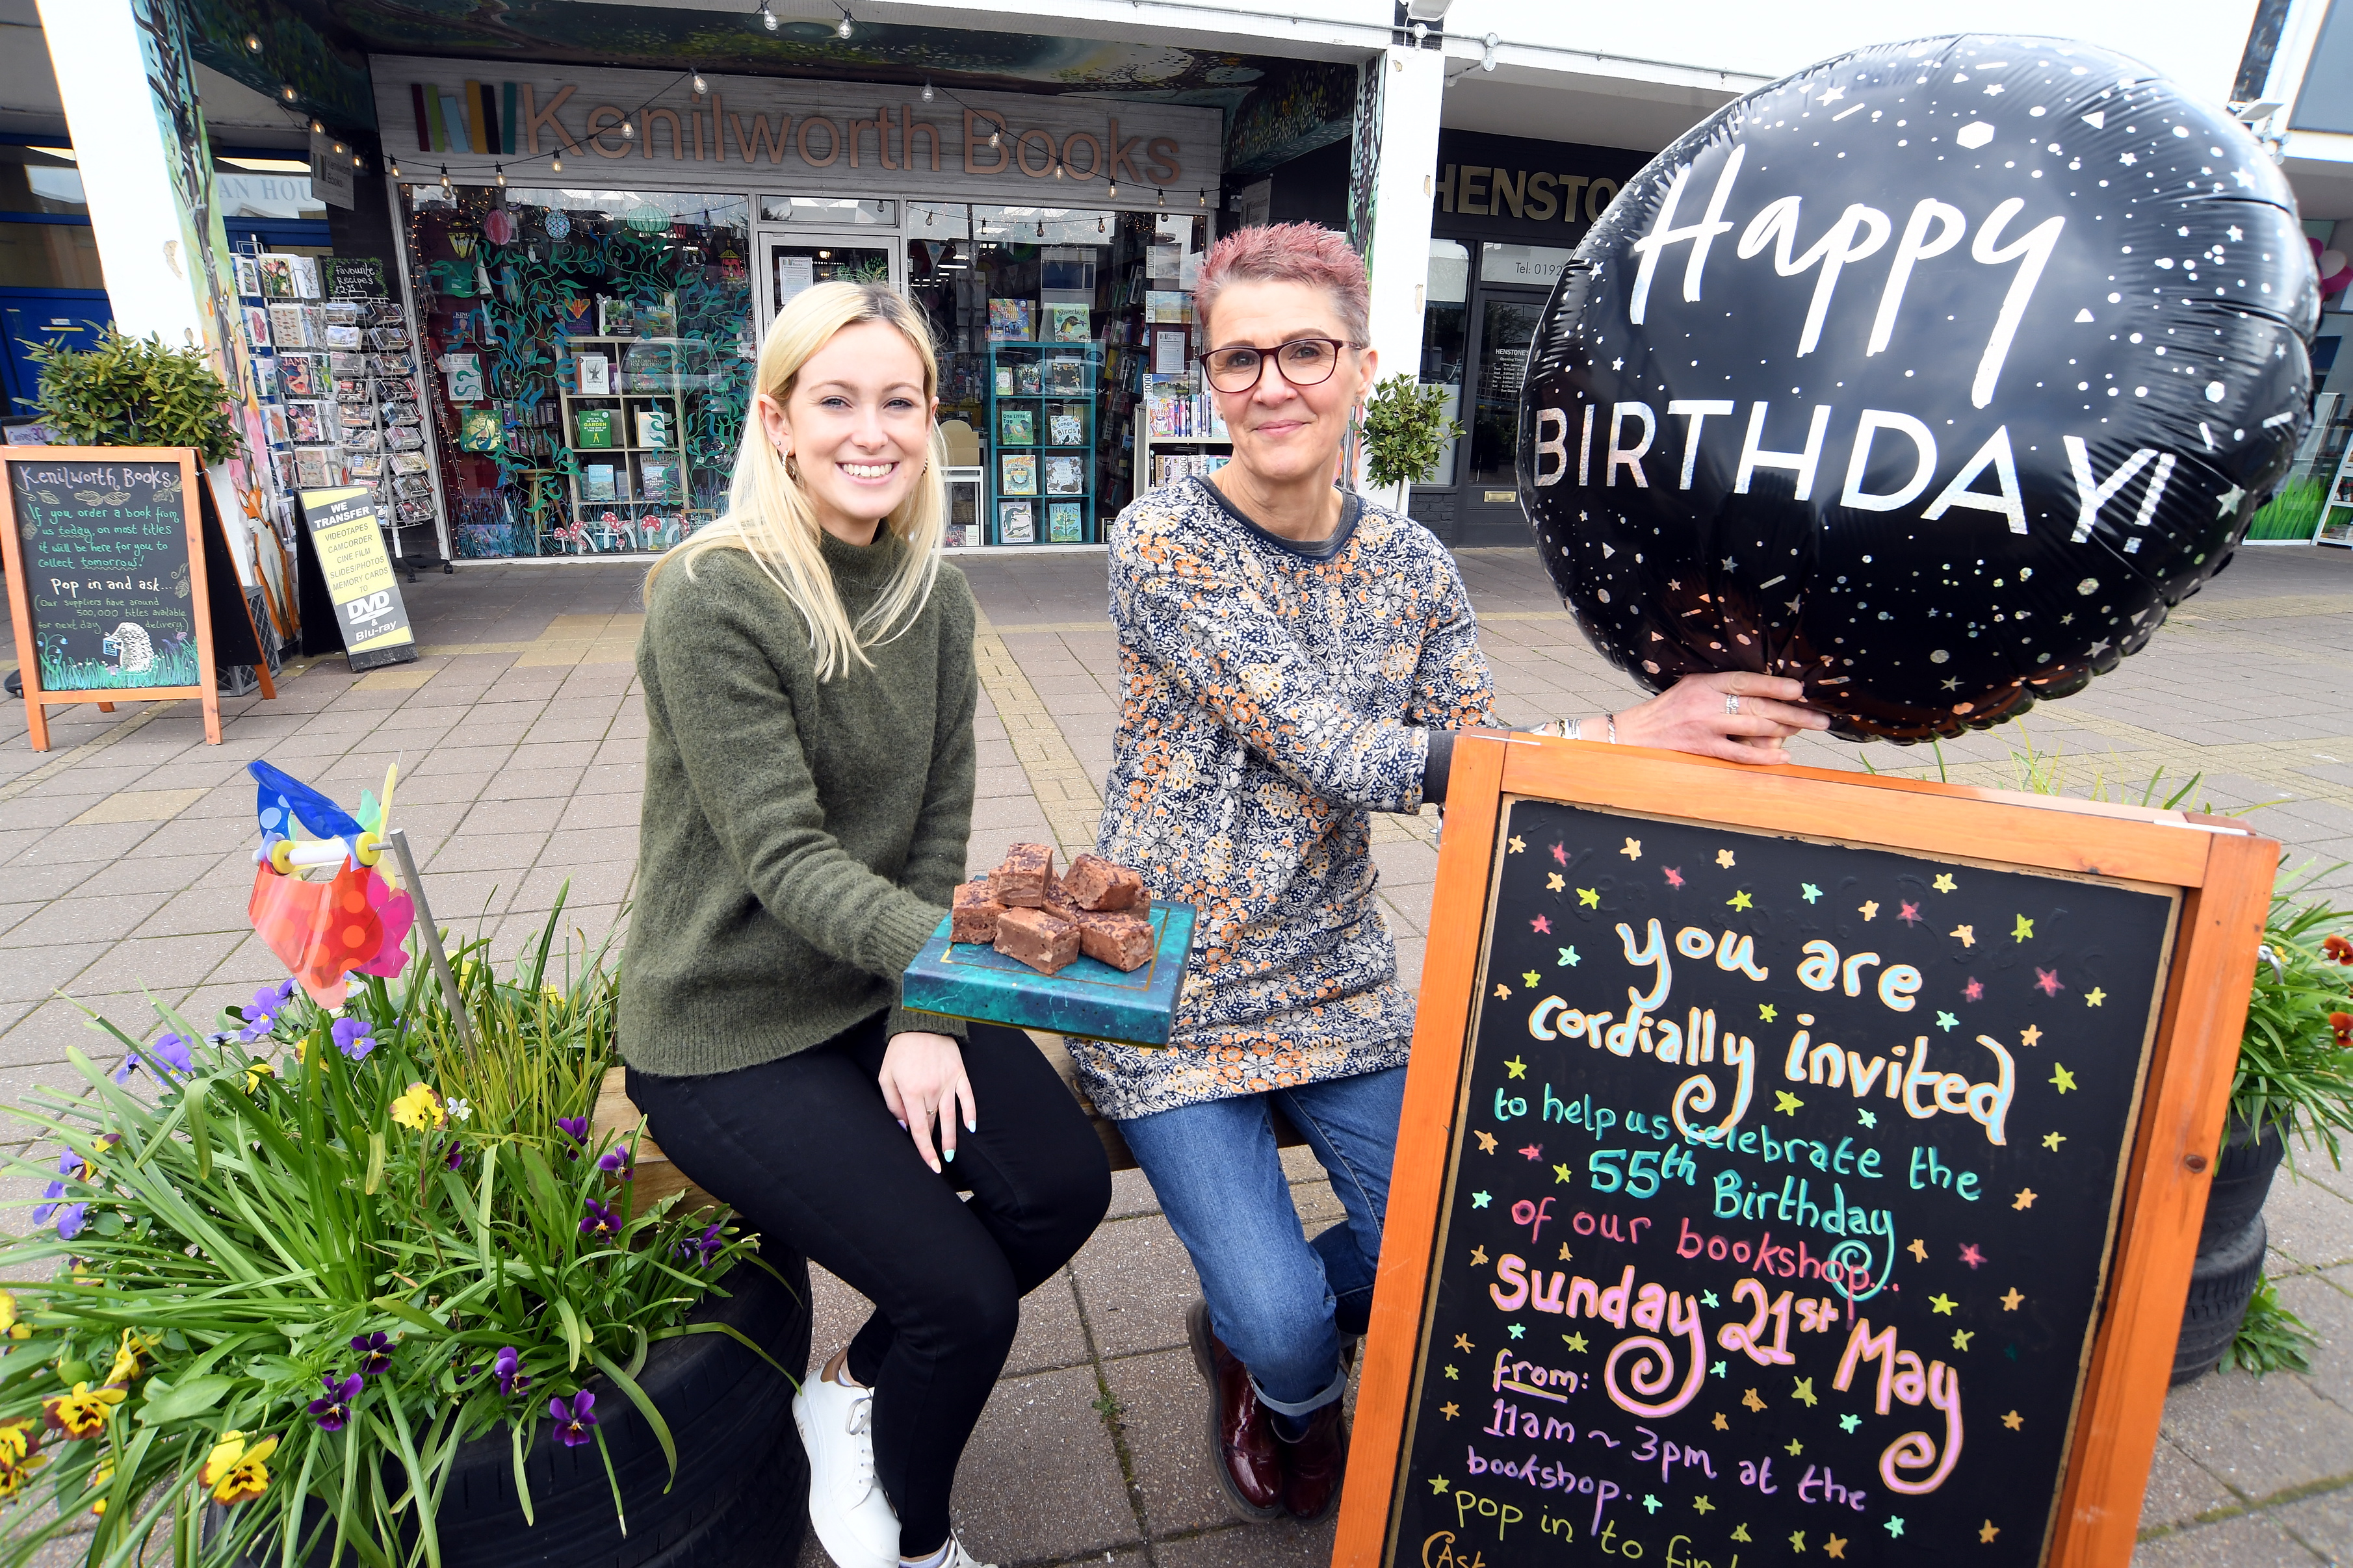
{"points": [[1295, 658]]}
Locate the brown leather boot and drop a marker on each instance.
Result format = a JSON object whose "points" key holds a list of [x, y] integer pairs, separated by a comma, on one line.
{"points": [[1315, 1466], [1242, 1449]]}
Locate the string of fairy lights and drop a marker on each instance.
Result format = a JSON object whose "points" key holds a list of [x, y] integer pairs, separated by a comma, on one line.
{"points": [[844, 29]]}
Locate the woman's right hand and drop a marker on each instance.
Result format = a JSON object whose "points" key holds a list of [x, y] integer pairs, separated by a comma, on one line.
{"points": [[1696, 715]]}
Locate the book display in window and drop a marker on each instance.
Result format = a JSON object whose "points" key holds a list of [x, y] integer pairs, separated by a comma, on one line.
{"points": [[630, 489], [1043, 408]]}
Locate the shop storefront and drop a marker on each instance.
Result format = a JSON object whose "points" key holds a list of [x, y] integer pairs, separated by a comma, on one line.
{"points": [[1508, 215], [591, 258]]}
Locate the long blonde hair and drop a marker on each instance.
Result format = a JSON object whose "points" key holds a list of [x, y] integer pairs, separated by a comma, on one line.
{"points": [[769, 516]]}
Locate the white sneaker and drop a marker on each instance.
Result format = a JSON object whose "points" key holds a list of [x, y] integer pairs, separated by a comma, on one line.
{"points": [[852, 1517]]}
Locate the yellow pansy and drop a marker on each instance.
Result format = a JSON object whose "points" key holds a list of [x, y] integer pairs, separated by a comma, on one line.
{"points": [[255, 1072], [420, 1109], [127, 1367], [234, 1471], [7, 1312], [100, 1479], [83, 1413], [17, 1444]]}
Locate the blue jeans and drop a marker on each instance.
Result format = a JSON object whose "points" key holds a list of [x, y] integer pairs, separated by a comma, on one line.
{"points": [[1277, 1300]]}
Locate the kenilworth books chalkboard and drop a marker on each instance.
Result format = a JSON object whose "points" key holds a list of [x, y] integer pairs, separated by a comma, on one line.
{"points": [[109, 583], [1763, 1187]]}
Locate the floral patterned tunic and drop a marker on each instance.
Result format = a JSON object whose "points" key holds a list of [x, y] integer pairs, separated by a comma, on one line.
{"points": [[1276, 694]]}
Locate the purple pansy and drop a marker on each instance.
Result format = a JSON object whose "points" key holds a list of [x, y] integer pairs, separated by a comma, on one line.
{"points": [[572, 1422], [619, 1161], [332, 1411], [454, 1157], [601, 1223], [68, 1216], [261, 1015], [577, 1128], [507, 1367], [375, 1351], [168, 1053], [699, 1250], [355, 1038]]}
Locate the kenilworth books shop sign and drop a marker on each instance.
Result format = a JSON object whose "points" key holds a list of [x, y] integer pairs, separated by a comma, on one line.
{"points": [[478, 117]]}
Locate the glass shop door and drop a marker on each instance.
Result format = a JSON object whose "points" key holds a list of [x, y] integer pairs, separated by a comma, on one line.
{"points": [[790, 262], [1502, 326]]}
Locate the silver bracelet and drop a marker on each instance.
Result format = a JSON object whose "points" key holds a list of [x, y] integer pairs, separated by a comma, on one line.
{"points": [[1613, 728], [1570, 732]]}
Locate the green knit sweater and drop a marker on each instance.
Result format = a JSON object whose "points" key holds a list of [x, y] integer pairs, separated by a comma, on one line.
{"points": [[800, 840]]}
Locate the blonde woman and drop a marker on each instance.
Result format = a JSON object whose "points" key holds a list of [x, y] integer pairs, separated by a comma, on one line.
{"points": [[809, 688]]}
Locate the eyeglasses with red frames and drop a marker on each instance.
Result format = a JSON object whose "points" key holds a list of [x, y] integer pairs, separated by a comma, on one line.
{"points": [[1306, 362]]}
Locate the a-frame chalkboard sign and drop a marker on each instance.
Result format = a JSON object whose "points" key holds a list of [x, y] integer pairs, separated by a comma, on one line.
{"points": [[1795, 1165], [116, 579]]}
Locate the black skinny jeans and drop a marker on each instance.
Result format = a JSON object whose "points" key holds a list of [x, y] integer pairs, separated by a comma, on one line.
{"points": [[805, 1149]]}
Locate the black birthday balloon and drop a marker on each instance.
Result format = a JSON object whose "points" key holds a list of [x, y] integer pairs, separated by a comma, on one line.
{"points": [[1931, 375]]}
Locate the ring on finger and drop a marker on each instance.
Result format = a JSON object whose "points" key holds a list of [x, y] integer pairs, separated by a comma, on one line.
{"points": [[1732, 703]]}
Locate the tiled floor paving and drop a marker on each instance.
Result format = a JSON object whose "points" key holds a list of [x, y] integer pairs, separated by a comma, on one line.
{"points": [[126, 865]]}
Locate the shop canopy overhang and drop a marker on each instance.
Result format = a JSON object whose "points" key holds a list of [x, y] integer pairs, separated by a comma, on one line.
{"points": [[1276, 105]]}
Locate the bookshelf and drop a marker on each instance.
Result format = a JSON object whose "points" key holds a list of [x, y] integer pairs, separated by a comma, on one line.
{"points": [[1044, 401], [1176, 423], [646, 507]]}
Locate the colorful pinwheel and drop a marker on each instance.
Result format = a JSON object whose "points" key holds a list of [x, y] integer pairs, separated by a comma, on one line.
{"points": [[323, 932]]}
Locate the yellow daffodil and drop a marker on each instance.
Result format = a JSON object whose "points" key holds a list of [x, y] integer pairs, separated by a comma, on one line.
{"points": [[420, 1109], [235, 1470], [83, 1413], [255, 1072]]}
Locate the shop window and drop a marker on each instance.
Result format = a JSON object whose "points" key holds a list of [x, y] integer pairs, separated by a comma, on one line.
{"points": [[1444, 337], [29, 187], [49, 256], [590, 354], [828, 211], [1042, 319]]}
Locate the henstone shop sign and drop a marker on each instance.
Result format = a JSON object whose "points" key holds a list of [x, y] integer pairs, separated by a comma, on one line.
{"points": [[475, 118]]}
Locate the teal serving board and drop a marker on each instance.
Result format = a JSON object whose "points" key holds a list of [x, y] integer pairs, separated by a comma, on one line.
{"points": [[1089, 998]]}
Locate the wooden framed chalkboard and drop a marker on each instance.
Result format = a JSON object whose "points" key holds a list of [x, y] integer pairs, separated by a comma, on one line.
{"points": [[1793, 1164], [110, 584]]}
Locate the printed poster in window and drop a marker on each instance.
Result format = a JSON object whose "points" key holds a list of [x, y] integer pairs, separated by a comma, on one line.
{"points": [[1064, 522], [1066, 476], [477, 430], [1015, 523], [465, 373], [1066, 324], [1009, 320], [1168, 351], [796, 275], [1016, 473]]}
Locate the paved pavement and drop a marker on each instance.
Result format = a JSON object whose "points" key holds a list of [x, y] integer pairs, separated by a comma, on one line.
{"points": [[124, 863]]}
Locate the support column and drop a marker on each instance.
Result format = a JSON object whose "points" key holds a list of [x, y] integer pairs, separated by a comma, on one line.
{"points": [[146, 172], [1394, 163]]}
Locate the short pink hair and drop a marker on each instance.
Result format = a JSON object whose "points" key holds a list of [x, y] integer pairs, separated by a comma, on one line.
{"points": [[1291, 253]]}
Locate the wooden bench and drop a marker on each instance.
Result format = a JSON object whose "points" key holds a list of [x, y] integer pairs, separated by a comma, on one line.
{"points": [[658, 1178]]}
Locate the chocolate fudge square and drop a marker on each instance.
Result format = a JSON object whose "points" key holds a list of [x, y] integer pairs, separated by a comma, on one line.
{"points": [[1116, 938], [1043, 942], [1095, 883], [1022, 880], [974, 915]]}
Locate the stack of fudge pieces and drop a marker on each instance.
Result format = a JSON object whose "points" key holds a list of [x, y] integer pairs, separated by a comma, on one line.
{"points": [[1029, 914]]}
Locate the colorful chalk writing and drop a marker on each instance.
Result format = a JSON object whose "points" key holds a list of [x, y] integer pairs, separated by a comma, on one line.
{"points": [[1778, 1203]]}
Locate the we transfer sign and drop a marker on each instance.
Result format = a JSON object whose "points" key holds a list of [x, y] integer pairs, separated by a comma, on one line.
{"points": [[1781, 1189]]}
